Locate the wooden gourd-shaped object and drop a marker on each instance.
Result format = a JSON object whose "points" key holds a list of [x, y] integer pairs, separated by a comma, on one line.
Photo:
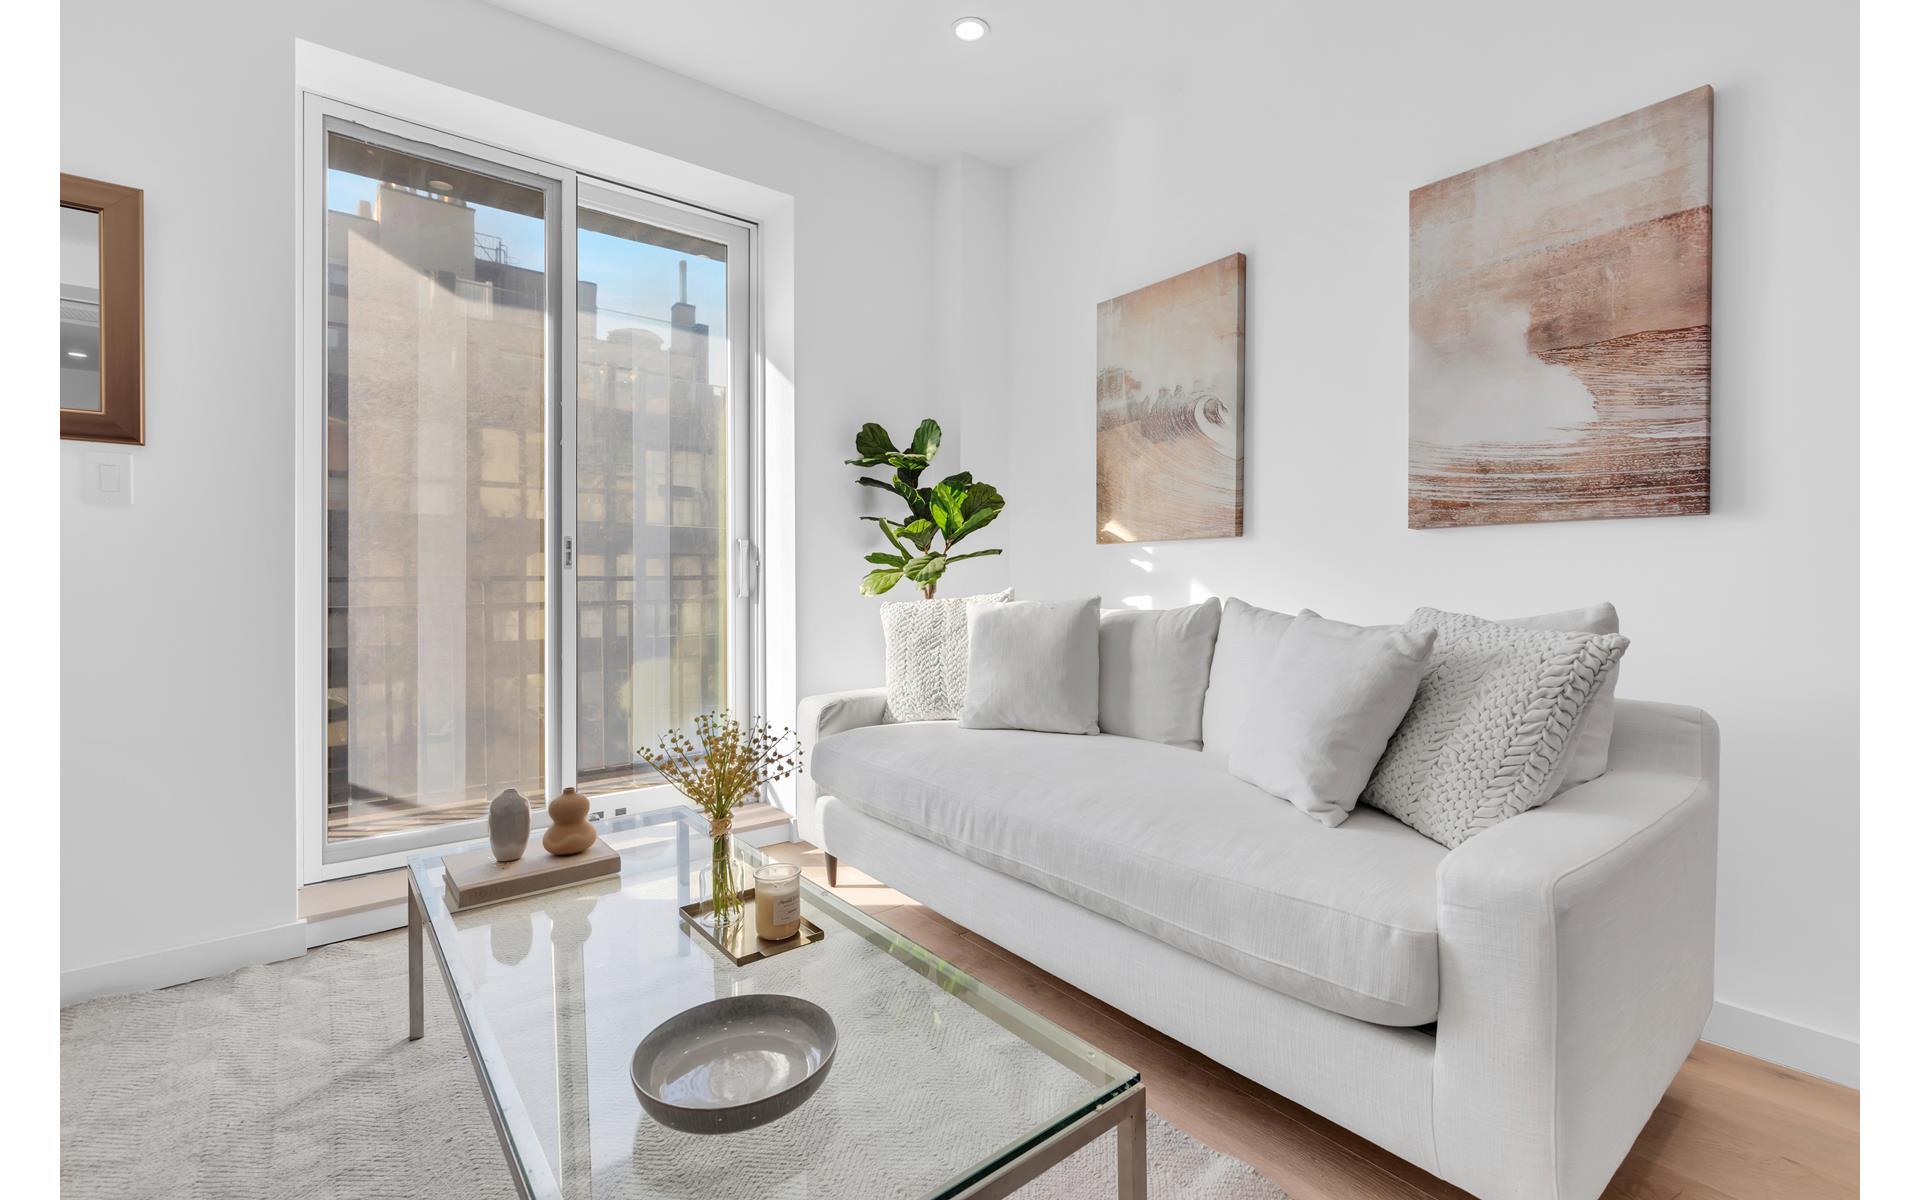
{"points": [[570, 833]]}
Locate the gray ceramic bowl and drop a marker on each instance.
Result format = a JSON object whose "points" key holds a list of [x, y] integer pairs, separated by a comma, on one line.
{"points": [[735, 1063]]}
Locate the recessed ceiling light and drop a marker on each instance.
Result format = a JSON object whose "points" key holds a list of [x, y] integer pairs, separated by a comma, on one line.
{"points": [[969, 29], [439, 185]]}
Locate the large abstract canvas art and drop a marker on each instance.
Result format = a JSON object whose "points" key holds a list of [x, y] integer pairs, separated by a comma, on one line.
{"points": [[1560, 321], [1169, 394]]}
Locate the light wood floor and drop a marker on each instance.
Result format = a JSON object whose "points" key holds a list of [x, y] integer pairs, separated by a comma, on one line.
{"points": [[1730, 1128]]}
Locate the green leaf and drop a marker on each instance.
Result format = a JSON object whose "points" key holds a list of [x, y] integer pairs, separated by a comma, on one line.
{"points": [[982, 504], [926, 568], [953, 498], [975, 523], [881, 559], [926, 439], [982, 496], [943, 521], [886, 527], [899, 485], [954, 558], [963, 480], [920, 532], [902, 461], [873, 441], [945, 507], [878, 582]]}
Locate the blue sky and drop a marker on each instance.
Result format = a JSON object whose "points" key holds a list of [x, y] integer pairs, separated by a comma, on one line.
{"points": [[637, 278]]}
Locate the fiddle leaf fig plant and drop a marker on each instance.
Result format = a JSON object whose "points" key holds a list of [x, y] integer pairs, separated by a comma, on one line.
{"points": [[945, 513]]}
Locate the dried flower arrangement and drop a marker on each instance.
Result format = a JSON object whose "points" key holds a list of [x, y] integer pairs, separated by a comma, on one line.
{"points": [[720, 765]]}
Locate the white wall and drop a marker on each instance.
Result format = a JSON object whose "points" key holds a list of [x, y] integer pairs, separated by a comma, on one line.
{"points": [[177, 630], [970, 350], [1298, 145]]}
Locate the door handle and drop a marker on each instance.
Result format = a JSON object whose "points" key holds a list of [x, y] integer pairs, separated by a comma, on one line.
{"points": [[746, 562]]}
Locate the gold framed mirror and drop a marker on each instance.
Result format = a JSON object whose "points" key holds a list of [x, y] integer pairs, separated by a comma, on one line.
{"points": [[102, 338]]}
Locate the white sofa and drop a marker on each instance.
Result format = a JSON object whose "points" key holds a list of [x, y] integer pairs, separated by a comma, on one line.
{"points": [[1505, 1014]]}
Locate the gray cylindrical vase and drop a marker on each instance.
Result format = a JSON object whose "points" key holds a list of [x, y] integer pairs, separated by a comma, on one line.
{"points": [[508, 823]]}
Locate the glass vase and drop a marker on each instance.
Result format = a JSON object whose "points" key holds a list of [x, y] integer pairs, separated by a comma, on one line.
{"points": [[726, 889]]}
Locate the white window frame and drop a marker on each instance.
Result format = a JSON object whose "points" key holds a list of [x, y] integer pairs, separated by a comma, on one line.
{"points": [[746, 508]]}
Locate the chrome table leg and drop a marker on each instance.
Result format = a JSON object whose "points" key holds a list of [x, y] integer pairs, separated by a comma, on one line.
{"points": [[416, 979], [1131, 1134]]}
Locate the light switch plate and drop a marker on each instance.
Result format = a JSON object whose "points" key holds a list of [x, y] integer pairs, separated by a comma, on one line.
{"points": [[106, 477]]}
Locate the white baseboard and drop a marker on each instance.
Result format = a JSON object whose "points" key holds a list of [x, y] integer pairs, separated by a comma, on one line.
{"points": [[183, 964], [367, 921], [1814, 1051]]}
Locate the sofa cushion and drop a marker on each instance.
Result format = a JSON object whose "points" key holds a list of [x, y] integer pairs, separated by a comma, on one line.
{"points": [[1033, 664], [1494, 725], [1153, 671], [1333, 694], [1248, 638], [1167, 841], [1595, 734]]}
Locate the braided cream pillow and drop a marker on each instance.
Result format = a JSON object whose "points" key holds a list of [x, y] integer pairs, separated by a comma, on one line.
{"points": [[1492, 728], [927, 656]]}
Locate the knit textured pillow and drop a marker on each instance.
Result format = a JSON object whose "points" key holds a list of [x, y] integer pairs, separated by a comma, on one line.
{"points": [[1492, 728], [927, 656]]}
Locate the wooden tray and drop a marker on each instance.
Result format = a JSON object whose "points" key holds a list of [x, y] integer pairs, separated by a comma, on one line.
{"points": [[474, 879]]}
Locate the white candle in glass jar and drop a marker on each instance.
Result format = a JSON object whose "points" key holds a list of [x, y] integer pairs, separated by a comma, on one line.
{"points": [[776, 901]]}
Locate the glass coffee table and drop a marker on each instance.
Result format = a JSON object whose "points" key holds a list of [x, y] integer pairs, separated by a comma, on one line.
{"points": [[940, 1087]]}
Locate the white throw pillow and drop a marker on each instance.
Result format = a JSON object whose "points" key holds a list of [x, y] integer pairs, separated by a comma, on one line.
{"points": [[1492, 729], [1033, 665], [1330, 699], [1596, 725], [1248, 638], [1153, 671], [927, 655]]}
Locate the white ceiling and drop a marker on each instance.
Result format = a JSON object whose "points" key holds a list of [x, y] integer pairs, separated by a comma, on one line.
{"points": [[890, 72]]}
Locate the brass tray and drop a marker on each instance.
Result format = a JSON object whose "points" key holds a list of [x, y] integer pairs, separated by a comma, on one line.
{"points": [[742, 943]]}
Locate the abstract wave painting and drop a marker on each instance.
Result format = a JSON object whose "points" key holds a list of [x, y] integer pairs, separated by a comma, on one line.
{"points": [[1560, 327], [1169, 394]]}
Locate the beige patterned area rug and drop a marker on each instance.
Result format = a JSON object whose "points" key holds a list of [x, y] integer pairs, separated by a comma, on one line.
{"points": [[287, 1082]]}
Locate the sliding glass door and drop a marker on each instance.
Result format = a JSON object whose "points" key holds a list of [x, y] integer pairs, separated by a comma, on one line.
{"points": [[660, 487], [528, 408]]}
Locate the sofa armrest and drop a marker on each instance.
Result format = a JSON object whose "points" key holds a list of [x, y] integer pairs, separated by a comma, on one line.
{"points": [[1576, 968], [822, 716]]}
